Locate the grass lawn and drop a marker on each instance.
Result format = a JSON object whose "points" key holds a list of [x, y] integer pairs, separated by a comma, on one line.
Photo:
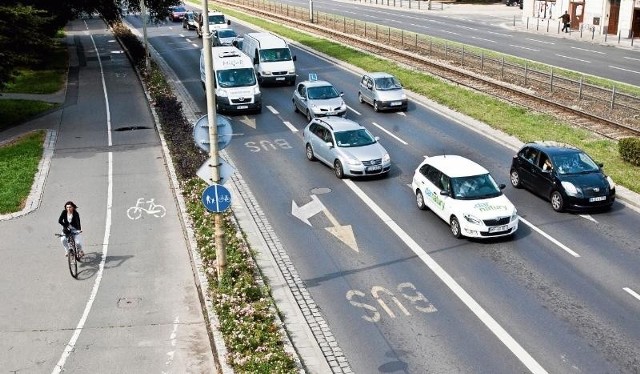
{"points": [[14, 112], [42, 81], [18, 166]]}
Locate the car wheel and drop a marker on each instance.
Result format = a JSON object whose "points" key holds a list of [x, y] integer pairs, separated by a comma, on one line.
{"points": [[309, 118], [515, 178], [455, 227], [295, 107], [557, 201], [420, 200], [337, 169], [375, 106], [360, 99], [309, 153]]}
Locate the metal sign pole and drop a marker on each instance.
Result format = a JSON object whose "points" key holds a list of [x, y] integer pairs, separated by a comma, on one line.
{"points": [[143, 10], [221, 256]]}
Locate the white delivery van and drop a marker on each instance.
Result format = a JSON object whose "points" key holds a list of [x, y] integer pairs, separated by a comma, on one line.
{"points": [[235, 84], [271, 57], [216, 19]]}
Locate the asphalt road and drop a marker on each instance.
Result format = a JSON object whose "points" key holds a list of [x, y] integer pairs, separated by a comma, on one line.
{"points": [[134, 307], [407, 296]]}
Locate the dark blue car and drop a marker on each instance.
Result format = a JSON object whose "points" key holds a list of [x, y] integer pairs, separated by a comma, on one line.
{"points": [[562, 174]]}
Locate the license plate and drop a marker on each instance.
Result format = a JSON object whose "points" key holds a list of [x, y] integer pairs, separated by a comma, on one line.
{"points": [[396, 103], [599, 198], [374, 168], [499, 228], [243, 107], [280, 78], [331, 113]]}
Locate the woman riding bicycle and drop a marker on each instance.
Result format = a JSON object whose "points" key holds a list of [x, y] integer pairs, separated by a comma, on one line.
{"points": [[70, 221]]}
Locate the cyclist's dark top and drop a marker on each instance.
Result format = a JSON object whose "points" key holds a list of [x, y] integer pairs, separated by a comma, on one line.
{"points": [[75, 220]]}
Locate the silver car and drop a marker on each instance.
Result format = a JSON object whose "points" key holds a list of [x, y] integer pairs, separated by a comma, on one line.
{"points": [[223, 36], [346, 146], [382, 91], [315, 98]]}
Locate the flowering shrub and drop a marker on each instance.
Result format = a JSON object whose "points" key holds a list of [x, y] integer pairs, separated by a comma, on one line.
{"points": [[242, 303]]}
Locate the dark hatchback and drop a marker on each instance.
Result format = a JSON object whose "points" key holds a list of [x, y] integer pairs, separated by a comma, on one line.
{"points": [[563, 174]]}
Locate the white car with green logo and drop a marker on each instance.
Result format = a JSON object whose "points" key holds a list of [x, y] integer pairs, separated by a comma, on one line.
{"points": [[464, 195]]}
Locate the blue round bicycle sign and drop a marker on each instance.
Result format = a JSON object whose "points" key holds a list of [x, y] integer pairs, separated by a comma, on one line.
{"points": [[216, 198]]}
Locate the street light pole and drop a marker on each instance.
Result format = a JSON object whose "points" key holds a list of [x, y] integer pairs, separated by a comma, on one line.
{"points": [[143, 10], [221, 255]]}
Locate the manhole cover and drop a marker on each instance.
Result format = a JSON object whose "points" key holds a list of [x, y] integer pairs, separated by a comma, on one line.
{"points": [[320, 190]]}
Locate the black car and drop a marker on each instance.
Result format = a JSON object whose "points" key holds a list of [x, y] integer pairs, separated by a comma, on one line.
{"points": [[563, 174]]}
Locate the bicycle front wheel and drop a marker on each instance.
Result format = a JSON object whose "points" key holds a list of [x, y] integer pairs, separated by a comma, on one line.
{"points": [[72, 259]]}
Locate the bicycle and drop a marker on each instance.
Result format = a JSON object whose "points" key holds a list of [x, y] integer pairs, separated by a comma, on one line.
{"points": [[73, 256]]}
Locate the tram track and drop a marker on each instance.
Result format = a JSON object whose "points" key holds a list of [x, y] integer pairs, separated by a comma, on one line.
{"points": [[558, 105]]}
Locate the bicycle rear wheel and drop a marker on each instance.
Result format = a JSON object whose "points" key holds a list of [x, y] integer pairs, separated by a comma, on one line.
{"points": [[72, 258]]}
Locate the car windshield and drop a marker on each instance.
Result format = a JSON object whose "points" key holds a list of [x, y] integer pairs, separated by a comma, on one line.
{"points": [[387, 83], [574, 163], [475, 187], [227, 34], [179, 9], [354, 138], [275, 54], [322, 93], [216, 19], [236, 77]]}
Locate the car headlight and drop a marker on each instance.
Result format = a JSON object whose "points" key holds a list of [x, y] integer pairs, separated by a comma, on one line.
{"points": [[291, 72], [571, 190], [386, 158], [353, 161], [404, 97], [472, 219], [611, 184], [265, 72], [343, 106], [256, 90], [514, 215], [222, 92]]}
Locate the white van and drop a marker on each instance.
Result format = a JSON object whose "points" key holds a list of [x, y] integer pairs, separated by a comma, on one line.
{"points": [[271, 57], [216, 19], [235, 84]]}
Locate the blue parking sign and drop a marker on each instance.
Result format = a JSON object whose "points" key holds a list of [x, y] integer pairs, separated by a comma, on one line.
{"points": [[216, 198]]}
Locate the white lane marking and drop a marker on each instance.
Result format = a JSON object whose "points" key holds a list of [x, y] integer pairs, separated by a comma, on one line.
{"points": [[389, 133], [449, 32], [473, 305], [549, 237], [630, 71], [631, 58], [499, 33], [182, 36], [540, 41], [486, 40], [355, 111], [632, 292], [107, 232], [290, 126], [573, 58], [523, 47], [272, 109], [402, 113], [588, 50], [188, 40], [173, 340], [467, 28], [588, 217], [195, 45]]}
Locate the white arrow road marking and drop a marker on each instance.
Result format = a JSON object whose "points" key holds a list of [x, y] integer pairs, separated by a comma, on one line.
{"points": [[306, 211], [588, 216], [315, 206], [632, 292], [249, 121]]}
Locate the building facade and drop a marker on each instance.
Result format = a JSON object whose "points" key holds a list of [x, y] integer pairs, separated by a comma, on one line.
{"points": [[613, 17]]}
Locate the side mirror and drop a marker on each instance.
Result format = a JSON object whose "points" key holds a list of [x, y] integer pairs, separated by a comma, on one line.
{"points": [[377, 138], [369, 86], [341, 93], [255, 61], [329, 144], [228, 22], [600, 165], [444, 193], [502, 186], [294, 58]]}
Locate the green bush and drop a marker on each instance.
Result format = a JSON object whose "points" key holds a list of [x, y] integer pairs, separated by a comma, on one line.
{"points": [[629, 149]]}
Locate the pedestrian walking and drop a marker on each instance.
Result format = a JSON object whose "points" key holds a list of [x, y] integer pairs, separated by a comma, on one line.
{"points": [[566, 20]]}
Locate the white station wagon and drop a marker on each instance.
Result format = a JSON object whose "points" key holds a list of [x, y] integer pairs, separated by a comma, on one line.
{"points": [[464, 194]]}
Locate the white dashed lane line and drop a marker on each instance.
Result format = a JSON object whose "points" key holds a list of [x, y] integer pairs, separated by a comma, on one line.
{"points": [[632, 293], [389, 133]]}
